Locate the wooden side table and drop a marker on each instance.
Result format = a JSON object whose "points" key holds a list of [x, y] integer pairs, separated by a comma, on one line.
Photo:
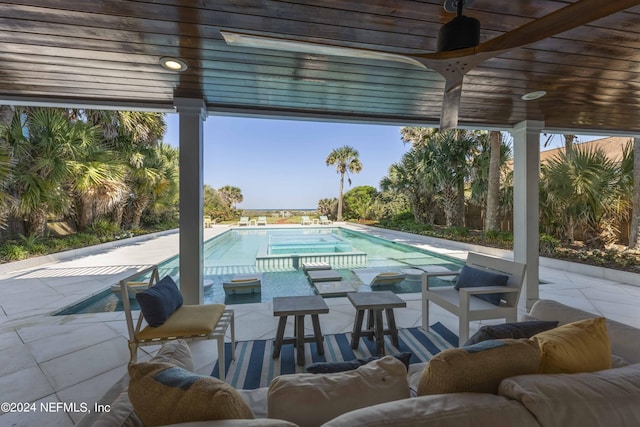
{"points": [[375, 303], [298, 307]]}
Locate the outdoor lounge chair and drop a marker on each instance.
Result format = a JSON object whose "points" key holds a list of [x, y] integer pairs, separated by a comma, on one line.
{"points": [[466, 302], [387, 278], [262, 220], [304, 220], [244, 220], [324, 220], [207, 221], [188, 322], [243, 284]]}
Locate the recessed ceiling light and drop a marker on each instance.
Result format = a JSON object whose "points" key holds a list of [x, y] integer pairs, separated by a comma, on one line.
{"points": [[534, 95], [173, 64]]}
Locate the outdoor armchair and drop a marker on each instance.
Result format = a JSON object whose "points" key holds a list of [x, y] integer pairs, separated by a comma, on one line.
{"points": [[481, 272]]}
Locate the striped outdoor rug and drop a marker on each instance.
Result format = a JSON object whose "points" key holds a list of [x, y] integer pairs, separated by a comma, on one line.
{"points": [[254, 367]]}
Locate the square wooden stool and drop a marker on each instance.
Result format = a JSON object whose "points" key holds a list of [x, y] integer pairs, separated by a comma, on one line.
{"points": [[375, 303], [298, 307]]}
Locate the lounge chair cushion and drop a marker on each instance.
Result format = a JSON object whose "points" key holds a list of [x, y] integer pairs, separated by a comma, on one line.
{"points": [[473, 277], [162, 393], [187, 321], [514, 330], [159, 301], [581, 346], [478, 368]]}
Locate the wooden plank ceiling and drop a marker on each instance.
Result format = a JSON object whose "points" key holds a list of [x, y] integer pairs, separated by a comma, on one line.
{"points": [[108, 51]]}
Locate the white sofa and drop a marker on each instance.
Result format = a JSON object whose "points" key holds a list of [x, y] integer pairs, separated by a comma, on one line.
{"points": [[610, 397]]}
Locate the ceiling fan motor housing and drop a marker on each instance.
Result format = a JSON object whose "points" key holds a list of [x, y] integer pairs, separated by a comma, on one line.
{"points": [[459, 33]]}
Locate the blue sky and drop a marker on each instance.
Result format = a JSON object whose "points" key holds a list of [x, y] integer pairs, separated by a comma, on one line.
{"points": [[280, 164]]}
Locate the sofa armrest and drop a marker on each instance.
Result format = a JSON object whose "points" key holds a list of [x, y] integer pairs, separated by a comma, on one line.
{"points": [[624, 339]]}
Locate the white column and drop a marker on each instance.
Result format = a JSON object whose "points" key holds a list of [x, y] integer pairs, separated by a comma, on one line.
{"points": [[192, 114], [526, 177]]}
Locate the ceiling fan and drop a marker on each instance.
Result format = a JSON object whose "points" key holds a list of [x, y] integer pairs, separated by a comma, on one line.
{"points": [[459, 48]]}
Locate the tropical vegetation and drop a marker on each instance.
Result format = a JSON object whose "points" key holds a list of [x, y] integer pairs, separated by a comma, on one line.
{"points": [[346, 160], [108, 175], [459, 185]]}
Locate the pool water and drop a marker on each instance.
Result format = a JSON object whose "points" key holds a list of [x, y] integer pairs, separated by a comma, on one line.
{"points": [[236, 252], [317, 243]]}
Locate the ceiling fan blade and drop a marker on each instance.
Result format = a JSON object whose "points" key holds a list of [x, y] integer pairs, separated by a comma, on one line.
{"points": [[451, 103], [572, 16], [275, 43]]}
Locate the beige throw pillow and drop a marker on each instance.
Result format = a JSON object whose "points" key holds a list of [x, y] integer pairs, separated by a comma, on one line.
{"points": [[479, 368], [162, 393], [312, 399]]}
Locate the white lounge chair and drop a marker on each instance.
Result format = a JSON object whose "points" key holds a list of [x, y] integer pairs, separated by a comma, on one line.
{"points": [[387, 278], [244, 220], [324, 220], [465, 303], [262, 220], [304, 220]]}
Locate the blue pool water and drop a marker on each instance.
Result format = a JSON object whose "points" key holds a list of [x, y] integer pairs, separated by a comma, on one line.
{"points": [[277, 254]]}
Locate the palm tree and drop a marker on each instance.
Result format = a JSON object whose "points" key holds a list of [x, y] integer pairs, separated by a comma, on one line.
{"points": [[134, 136], [634, 234], [410, 177], [446, 165], [232, 195], [581, 188], [327, 207], [491, 220], [48, 150], [346, 161]]}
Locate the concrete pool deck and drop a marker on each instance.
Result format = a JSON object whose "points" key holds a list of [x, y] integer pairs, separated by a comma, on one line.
{"points": [[76, 358]]}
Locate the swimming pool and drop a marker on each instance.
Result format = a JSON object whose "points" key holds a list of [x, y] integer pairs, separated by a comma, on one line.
{"points": [[246, 251]]}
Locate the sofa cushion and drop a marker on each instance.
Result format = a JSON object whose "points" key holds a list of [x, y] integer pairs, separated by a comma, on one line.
{"points": [[443, 410], [581, 346], [605, 398], [310, 400], [515, 330], [624, 339], [162, 393], [478, 368], [263, 422], [159, 301], [472, 277]]}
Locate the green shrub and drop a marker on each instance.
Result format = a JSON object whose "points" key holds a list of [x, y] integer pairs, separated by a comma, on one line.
{"points": [[457, 231], [13, 252], [104, 228], [548, 245], [33, 244]]}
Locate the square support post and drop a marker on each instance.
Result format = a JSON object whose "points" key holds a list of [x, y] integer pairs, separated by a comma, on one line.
{"points": [[192, 114], [526, 178]]}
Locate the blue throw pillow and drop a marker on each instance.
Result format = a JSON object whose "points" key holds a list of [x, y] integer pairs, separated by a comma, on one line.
{"points": [[472, 277], [511, 330], [350, 365], [159, 301]]}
